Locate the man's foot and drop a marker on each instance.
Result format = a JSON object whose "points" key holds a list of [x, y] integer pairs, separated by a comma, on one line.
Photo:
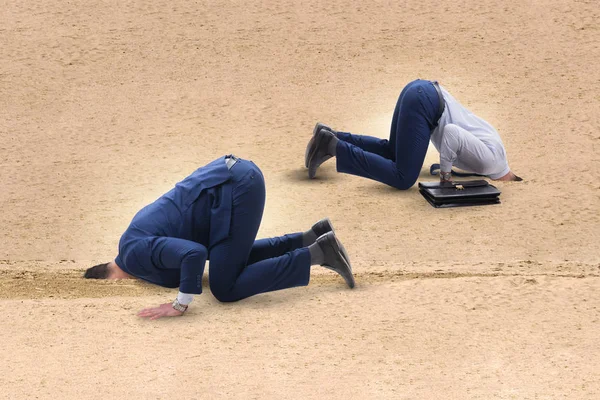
{"points": [[317, 151], [322, 227], [318, 127], [334, 260]]}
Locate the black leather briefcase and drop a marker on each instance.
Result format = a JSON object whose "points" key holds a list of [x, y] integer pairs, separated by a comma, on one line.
{"points": [[459, 193]]}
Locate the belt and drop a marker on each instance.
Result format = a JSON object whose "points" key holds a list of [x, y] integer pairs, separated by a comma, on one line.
{"points": [[436, 85]]}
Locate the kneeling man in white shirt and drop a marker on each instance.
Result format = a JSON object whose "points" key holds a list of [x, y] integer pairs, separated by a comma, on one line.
{"points": [[425, 111]]}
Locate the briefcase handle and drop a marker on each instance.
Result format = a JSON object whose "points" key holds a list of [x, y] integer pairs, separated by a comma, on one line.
{"points": [[457, 185]]}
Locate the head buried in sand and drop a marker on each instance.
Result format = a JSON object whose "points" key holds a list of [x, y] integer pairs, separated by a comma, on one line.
{"points": [[99, 271]]}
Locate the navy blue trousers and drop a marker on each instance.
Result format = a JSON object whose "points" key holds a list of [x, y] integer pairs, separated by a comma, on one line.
{"points": [[396, 162], [240, 266]]}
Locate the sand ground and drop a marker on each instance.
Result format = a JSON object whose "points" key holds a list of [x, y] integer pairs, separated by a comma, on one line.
{"points": [[104, 105]]}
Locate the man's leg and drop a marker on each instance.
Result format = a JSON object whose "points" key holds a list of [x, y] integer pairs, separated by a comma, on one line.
{"points": [[230, 277], [475, 155], [278, 246], [369, 144], [275, 247], [394, 125], [414, 119]]}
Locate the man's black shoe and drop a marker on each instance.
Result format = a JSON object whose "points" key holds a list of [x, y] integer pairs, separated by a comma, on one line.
{"points": [[316, 129], [334, 260], [322, 227], [317, 151]]}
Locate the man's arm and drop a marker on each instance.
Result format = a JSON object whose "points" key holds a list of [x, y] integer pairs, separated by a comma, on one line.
{"points": [[190, 258], [472, 151], [448, 151]]}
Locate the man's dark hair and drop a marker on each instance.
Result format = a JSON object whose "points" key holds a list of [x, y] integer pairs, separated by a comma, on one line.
{"points": [[99, 271]]}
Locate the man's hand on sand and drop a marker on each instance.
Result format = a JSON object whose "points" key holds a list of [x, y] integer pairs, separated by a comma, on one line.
{"points": [[164, 310]]}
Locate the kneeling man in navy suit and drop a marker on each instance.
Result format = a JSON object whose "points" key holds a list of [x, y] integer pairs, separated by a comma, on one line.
{"points": [[214, 214]]}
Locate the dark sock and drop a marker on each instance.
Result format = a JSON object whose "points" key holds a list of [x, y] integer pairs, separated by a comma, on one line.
{"points": [[332, 146], [308, 238], [317, 257]]}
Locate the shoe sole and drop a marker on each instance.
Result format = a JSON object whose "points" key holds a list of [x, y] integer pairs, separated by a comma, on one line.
{"points": [[349, 279], [307, 152], [317, 128], [312, 172], [342, 248]]}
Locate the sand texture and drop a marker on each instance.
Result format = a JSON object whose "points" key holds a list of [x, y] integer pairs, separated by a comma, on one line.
{"points": [[104, 105]]}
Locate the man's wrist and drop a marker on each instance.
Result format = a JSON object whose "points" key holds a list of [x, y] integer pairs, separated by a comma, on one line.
{"points": [[445, 176], [179, 307]]}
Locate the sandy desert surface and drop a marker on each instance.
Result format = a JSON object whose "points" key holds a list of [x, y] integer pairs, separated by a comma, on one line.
{"points": [[105, 105]]}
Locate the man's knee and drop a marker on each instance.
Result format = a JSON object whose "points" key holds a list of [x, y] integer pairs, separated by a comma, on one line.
{"points": [[405, 184], [223, 293], [404, 180]]}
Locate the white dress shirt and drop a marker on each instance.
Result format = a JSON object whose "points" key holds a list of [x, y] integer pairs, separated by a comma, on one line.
{"points": [[468, 142]]}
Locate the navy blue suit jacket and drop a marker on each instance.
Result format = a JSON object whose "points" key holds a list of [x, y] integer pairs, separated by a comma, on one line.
{"points": [[168, 241]]}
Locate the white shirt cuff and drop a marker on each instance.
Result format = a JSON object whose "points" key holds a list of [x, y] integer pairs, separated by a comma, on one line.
{"points": [[185, 298]]}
